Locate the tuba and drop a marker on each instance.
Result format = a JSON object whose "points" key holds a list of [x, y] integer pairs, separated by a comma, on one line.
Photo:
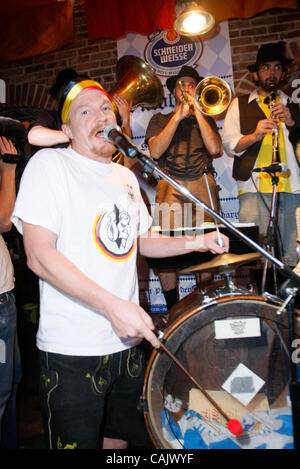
{"points": [[136, 83], [212, 96]]}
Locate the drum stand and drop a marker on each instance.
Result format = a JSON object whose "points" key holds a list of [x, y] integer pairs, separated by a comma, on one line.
{"points": [[288, 290]]}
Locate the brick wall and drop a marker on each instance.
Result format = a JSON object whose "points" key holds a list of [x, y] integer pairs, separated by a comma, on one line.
{"points": [[28, 80], [246, 35]]}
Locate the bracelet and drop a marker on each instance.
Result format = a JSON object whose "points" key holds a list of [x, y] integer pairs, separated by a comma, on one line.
{"points": [[10, 158]]}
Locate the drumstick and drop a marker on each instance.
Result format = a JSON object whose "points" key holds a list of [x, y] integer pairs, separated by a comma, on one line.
{"points": [[233, 425], [220, 240]]}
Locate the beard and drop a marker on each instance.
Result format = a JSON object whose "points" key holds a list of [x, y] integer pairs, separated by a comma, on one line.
{"points": [[270, 84]]}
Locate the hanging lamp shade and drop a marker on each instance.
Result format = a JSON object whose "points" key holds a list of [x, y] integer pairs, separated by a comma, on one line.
{"points": [[194, 21]]}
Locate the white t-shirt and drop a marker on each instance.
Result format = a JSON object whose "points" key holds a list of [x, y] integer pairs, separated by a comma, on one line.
{"points": [[97, 211]]}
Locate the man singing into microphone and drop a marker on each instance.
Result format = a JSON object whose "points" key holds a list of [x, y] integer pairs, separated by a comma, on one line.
{"points": [[83, 220], [247, 134]]}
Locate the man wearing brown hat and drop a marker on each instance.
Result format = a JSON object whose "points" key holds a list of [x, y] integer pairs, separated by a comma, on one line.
{"points": [[256, 128], [184, 142]]}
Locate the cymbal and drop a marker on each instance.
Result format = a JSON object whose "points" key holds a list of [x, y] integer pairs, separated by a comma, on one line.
{"points": [[222, 263]]}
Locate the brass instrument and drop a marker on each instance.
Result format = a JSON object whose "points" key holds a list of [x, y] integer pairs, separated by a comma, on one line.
{"points": [[136, 83], [212, 96], [275, 149], [184, 94]]}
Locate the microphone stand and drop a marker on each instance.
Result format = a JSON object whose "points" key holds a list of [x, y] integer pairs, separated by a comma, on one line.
{"points": [[151, 166], [270, 236]]}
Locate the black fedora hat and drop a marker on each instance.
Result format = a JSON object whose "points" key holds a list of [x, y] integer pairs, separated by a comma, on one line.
{"points": [[185, 71], [62, 79], [270, 52]]}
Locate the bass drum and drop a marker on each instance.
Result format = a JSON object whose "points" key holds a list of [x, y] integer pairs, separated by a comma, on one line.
{"points": [[236, 348]]}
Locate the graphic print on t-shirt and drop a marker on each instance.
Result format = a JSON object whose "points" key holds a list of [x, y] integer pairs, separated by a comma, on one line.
{"points": [[114, 234]]}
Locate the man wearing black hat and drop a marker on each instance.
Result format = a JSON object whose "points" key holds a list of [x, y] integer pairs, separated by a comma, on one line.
{"points": [[46, 132], [252, 126], [83, 222], [184, 143]]}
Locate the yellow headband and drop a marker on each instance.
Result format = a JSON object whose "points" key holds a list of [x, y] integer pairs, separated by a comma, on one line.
{"points": [[72, 91]]}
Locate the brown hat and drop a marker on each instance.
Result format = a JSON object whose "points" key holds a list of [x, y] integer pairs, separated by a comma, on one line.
{"points": [[269, 53], [185, 71]]}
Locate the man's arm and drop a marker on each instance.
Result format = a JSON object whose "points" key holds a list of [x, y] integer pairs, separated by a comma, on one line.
{"points": [[234, 141], [210, 135], [47, 132], [263, 127], [160, 142], [7, 185], [127, 318], [43, 137], [155, 245]]}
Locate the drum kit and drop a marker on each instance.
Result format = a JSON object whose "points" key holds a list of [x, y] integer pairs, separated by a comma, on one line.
{"points": [[224, 376]]}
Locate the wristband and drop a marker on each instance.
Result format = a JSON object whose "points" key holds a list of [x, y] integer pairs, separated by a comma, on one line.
{"points": [[10, 158]]}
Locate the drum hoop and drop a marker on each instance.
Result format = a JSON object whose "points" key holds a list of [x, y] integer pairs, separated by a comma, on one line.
{"points": [[223, 299]]}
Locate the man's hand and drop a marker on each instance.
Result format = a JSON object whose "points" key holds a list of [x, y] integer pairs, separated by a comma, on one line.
{"points": [[130, 321], [264, 127], [124, 110], [215, 242], [6, 147], [281, 112]]}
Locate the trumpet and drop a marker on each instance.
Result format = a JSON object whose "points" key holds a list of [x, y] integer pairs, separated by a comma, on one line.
{"points": [[212, 95]]}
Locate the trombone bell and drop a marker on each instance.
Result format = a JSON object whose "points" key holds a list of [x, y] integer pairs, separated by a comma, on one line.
{"points": [[212, 96]]}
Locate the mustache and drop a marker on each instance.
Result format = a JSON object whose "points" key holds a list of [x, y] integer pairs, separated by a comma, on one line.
{"points": [[95, 130]]}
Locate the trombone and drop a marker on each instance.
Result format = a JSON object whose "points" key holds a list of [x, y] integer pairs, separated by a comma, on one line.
{"points": [[212, 95]]}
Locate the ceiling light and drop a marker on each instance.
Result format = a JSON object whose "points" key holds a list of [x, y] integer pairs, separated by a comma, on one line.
{"points": [[194, 21]]}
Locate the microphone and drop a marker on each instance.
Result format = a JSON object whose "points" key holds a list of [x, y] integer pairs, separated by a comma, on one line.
{"points": [[273, 168], [113, 134]]}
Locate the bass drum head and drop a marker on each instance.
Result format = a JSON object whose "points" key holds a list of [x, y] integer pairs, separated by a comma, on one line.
{"points": [[236, 349]]}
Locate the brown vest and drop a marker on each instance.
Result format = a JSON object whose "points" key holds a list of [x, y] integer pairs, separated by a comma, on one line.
{"points": [[250, 114]]}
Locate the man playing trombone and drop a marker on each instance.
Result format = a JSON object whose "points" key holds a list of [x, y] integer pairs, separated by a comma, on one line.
{"points": [[184, 143]]}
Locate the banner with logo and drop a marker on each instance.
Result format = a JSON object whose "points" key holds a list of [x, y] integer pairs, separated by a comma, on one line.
{"points": [[166, 52]]}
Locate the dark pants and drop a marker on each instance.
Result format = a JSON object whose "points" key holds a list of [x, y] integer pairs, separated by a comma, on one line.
{"points": [[86, 398], [10, 370]]}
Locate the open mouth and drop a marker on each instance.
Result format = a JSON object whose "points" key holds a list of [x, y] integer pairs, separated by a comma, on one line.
{"points": [[99, 133]]}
